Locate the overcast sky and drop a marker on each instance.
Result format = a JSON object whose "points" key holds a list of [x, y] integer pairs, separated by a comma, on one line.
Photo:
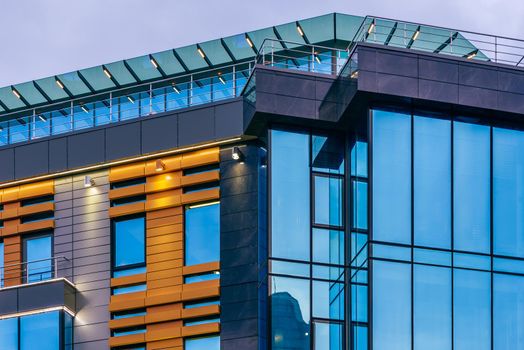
{"points": [[39, 38]]}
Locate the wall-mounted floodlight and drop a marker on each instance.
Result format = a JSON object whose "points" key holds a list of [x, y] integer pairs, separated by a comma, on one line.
{"points": [[88, 181], [160, 166], [237, 155]]}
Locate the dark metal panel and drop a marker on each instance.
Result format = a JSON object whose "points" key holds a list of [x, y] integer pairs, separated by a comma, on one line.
{"points": [[7, 160], [477, 97], [57, 154], [8, 301], [228, 119], [397, 85], [160, 133], [440, 70], [122, 141], [32, 159], [86, 148], [478, 76], [397, 63], [196, 126], [438, 91], [41, 296]]}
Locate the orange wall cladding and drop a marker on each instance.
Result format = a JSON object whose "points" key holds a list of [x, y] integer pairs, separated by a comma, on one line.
{"points": [[13, 229], [166, 292]]}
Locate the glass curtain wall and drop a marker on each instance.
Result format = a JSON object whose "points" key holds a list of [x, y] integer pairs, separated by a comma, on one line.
{"points": [[448, 236]]}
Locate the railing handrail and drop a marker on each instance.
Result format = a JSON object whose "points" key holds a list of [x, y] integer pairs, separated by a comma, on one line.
{"points": [[55, 258]]}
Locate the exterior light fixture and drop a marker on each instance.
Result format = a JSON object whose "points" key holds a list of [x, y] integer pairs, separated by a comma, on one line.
{"points": [[471, 55], [249, 42], [417, 33], [222, 80], [42, 118], [216, 272], [59, 83], [84, 108], [16, 93], [299, 30], [371, 27], [159, 166], [130, 99], [153, 62], [177, 90], [1, 129], [317, 58], [88, 181], [237, 155], [200, 205], [106, 72], [201, 53], [354, 74]]}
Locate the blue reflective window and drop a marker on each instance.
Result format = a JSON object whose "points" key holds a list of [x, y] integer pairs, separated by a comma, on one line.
{"points": [[359, 303], [40, 331], [38, 253], [508, 312], [144, 102], [360, 338], [102, 113], [391, 306], [9, 333], [223, 86], [359, 159], [328, 246], [431, 307], [472, 310], [360, 205], [127, 109], [471, 176], [202, 277], [42, 126], [328, 300], [129, 243], [508, 192], [158, 103], [4, 133], [68, 331], [432, 182], [19, 130], [327, 154], [290, 313], [84, 116], [328, 201], [201, 91], [204, 343], [61, 121], [328, 336], [202, 234], [178, 97], [290, 204], [391, 177]]}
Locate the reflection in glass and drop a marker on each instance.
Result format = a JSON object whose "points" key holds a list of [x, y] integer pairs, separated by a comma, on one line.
{"points": [[327, 154], [129, 242], [328, 336], [360, 205], [207, 343], [391, 177], [40, 331], [290, 199], [202, 234], [432, 182], [328, 300], [328, 201], [359, 159], [328, 246], [508, 312], [359, 303], [37, 255], [9, 333], [42, 126], [18, 130], [471, 176]]}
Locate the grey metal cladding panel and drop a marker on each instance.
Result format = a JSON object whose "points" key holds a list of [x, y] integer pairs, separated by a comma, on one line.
{"points": [[367, 59], [94, 332], [397, 85], [32, 159], [7, 164], [480, 76], [511, 81], [41, 296], [102, 344], [58, 154], [285, 83], [438, 91], [509, 102], [86, 148], [123, 141], [196, 126], [397, 63], [8, 301], [159, 133], [477, 97], [229, 119], [439, 70]]}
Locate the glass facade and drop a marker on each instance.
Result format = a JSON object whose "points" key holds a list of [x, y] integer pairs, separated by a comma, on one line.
{"points": [[129, 251], [202, 234], [38, 258]]}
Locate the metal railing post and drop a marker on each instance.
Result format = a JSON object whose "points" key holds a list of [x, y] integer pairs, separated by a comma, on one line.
{"points": [[312, 58], [496, 49], [234, 81], [190, 94], [150, 98], [111, 107], [55, 262], [71, 117], [272, 52]]}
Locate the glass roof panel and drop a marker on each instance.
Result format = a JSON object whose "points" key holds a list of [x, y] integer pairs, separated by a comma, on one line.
{"points": [[51, 89], [215, 52], [121, 73], [73, 83], [258, 37], [9, 99], [347, 26], [403, 34], [382, 31], [239, 47], [97, 79], [143, 68], [2, 109], [289, 32], [430, 38], [191, 57], [30, 93], [168, 62], [319, 29]]}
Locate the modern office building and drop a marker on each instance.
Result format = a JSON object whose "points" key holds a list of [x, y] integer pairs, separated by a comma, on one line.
{"points": [[333, 183]]}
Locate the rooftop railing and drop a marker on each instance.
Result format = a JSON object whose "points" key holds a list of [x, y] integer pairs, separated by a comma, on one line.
{"points": [[34, 271]]}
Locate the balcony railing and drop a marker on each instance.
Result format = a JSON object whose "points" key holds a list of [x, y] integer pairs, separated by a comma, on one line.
{"points": [[34, 271]]}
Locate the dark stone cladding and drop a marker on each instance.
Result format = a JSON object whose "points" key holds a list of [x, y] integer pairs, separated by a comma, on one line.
{"points": [[126, 139], [243, 249], [37, 296]]}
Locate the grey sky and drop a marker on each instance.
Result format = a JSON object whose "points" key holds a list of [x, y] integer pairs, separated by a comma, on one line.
{"points": [[40, 38]]}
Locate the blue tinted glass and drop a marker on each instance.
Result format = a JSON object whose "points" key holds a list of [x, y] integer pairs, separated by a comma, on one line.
{"points": [[432, 182], [40, 331], [143, 101], [432, 307], [201, 278], [508, 314], [177, 97], [359, 303], [327, 154], [359, 159], [391, 306], [328, 300], [392, 177], [201, 321], [290, 268], [202, 234], [68, 331], [508, 192], [4, 133], [201, 91], [158, 103], [61, 121], [129, 289], [290, 195], [223, 87], [328, 336], [328, 246], [128, 109], [290, 313], [84, 118], [472, 310], [360, 205], [328, 201], [18, 130], [129, 242], [360, 338], [102, 113], [207, 343], [358, 248], [471, 176], [38, 253], [42, 126], [9, 333]]}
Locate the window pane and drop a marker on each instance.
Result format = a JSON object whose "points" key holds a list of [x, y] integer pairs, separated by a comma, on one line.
{"points": [[328, 336], [432, 182], [328, 246], [1, 264], [360, 205], [328, 300], [508, 192], [38, 254], [471, 176], [9, 333], [508, 312], [328, 201], [432, 308], [472, 310], [202, 234], [290, 195], [359, 159], [40, 331], [327, 154], [205, 343], [392, 177], [359, 303], [129, 242], [68, 331], [391, 306], [290, 313]]}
